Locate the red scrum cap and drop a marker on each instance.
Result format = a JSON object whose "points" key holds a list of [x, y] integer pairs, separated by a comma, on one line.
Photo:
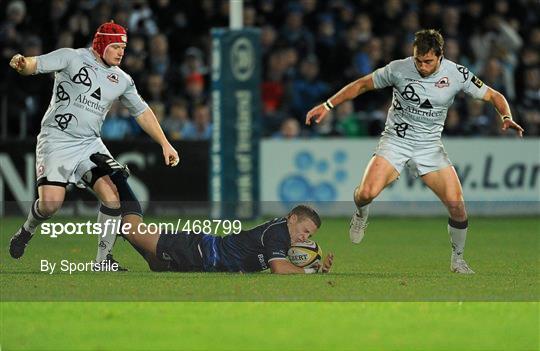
{"points": [[107, 34]]}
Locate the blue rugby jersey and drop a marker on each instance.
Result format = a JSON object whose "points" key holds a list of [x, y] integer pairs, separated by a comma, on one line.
{"points": [[248, 251]]}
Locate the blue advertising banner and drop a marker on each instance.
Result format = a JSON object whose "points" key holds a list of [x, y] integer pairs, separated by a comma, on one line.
{"points": [[236, 111]]}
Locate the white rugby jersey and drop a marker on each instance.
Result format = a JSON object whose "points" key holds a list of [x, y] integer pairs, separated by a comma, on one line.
{"points": [[420, 104], [83, 92]]}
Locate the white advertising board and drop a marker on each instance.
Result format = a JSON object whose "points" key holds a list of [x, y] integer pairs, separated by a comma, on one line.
{"points": [[498, 175]]}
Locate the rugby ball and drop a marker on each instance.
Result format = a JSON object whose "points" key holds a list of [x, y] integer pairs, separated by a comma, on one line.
{"points": [[305, 254]]}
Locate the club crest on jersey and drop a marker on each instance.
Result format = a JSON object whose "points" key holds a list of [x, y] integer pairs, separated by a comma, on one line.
{"points": [[113, 77], [443, 82]]}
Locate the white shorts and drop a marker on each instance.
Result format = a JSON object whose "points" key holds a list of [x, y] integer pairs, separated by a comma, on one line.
{"points": [[59, 162], [421, 158]]}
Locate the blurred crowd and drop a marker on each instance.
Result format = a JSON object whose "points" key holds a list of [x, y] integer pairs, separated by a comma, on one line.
{"points": [[310, 49]]}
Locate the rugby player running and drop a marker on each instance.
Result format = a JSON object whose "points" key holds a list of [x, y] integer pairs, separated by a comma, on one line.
{"points": [[424, 86], [87, 82]]}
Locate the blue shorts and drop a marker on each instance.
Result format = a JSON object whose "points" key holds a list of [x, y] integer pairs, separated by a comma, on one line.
{"points": [[182, 251]]}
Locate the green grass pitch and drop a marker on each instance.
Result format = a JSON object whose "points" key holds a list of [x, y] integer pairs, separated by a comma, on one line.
{"points": [[393, 291]]}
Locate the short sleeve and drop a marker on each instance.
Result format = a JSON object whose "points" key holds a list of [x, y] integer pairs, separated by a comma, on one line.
{"points": [[276, 244], [55, 60], [472, 85], [384, 77], [132, 100]]}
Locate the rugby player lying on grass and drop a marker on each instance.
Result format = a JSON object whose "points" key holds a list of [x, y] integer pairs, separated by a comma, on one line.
{"points": [[257, 249]]}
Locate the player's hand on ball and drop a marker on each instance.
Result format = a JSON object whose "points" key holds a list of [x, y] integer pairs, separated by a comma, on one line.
{"points": [[18, 62], [327, 263], [171, 155], [317, 113], [508, 123]]}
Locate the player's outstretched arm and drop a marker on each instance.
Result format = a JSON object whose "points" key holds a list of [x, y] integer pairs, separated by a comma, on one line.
{"points": [[23, 65], [286, 267], [348, 92], [501, 105], [148, 122]]}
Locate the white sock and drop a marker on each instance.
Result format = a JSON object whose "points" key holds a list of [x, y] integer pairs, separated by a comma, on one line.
{"points": [[108, 236], [363, 211], [34, 219], [458, 236]]}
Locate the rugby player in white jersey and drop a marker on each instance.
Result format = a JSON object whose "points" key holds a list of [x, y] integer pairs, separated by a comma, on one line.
{"points": [[424, 86], [87, 81]]}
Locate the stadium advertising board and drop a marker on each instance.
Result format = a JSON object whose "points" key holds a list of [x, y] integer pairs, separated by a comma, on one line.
{"points": [[496, 174], [236, 106], [154, 183]]}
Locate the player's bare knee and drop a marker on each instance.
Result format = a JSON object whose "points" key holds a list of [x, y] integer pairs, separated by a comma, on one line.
{"points": [[356, 194], [456, 209], [109, 195], [111, 188], [49, 205], [114, 198], [48, 208], [365, 194]]}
